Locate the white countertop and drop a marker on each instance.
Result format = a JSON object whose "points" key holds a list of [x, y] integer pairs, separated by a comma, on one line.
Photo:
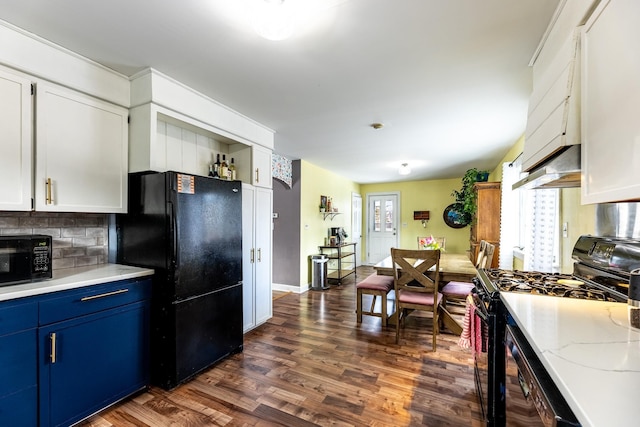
{"points": [[590, 351], [71, 278]]}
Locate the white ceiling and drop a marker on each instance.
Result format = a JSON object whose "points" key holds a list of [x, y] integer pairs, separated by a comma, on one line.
{"points": [[449, 79]]}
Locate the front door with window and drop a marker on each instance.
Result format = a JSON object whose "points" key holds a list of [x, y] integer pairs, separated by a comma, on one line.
{"points": [[382, 225]]}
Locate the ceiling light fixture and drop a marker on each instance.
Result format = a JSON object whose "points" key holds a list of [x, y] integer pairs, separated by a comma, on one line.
{"points": [[377, 126], [274, 20], [404, 169]]}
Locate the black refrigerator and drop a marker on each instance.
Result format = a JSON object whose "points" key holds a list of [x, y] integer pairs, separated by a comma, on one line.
{"points": [[189, 229]]}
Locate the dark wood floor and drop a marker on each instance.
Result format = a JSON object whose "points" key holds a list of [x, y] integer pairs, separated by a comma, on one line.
{"points": [[313, 365]]}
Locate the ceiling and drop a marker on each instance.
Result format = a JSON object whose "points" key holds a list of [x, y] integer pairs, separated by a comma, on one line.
{"points": [[448, 79]]}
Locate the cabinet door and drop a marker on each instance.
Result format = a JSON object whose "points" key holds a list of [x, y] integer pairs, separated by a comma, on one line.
{"points": [[263, 243], [248, 257], [15, 149], [610, 104], [261, 167], [92, 361], [81, 153], [18, 363], [257, 207]]}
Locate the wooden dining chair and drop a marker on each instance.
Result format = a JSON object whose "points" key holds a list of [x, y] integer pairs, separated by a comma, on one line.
{"points": [[457, 291], [415, 290]]}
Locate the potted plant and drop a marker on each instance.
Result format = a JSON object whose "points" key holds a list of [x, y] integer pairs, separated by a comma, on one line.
{"points": [[466, 196]]}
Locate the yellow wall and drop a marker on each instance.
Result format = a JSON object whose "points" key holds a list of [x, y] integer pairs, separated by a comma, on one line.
{"points": [[512, 154], [433, 196], [315, 182]]}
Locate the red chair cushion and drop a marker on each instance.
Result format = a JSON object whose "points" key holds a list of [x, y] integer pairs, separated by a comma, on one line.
{"points": [[458, 289], [377, 282], [418, 297]]}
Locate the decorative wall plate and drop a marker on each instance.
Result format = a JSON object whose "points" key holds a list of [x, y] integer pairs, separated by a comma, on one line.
{"points": [[454, 217]]}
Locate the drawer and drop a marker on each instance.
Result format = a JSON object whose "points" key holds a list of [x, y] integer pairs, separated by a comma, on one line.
{"points": [[18, 316], [91, 299], [18, 364]]}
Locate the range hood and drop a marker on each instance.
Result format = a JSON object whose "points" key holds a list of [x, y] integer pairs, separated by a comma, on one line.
{"points": [[560, 171], [551, 153]]}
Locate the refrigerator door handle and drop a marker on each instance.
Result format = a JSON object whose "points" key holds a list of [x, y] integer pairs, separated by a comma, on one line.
{"points": [[174, 230]]}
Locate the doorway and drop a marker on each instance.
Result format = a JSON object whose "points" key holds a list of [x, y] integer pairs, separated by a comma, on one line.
{"points": [[356, 225], [383, 217]]}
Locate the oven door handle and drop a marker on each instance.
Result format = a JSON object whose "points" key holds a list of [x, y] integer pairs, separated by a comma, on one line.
{"points": [[482, 315], [481, 310]]}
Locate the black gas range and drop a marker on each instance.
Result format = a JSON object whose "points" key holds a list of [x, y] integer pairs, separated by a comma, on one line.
{"points": [[602, 269]]}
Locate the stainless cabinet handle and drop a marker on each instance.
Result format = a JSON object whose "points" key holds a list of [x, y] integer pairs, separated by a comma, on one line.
{"points": [[257, 175], [107, 294], [252, 256], [259, 255], [52, 339]]}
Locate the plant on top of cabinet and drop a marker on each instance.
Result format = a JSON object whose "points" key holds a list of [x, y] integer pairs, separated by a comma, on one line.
{"points": [[466, 196]]}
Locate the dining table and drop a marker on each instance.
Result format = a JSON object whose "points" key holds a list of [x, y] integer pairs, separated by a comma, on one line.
{"points": [[452, 267]]}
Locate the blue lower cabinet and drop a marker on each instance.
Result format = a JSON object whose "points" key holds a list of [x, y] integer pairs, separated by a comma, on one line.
{"points": [[20, 409], [89, 362], [18, 363]]}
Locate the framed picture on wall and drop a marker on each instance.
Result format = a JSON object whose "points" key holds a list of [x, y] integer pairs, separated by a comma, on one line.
{"points": [[323, 201], [454, 217]]}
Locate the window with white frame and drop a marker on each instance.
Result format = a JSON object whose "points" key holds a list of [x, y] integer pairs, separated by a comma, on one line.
{"points": [[529, 221]]}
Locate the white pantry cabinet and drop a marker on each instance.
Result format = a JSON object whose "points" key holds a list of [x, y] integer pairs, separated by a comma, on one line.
{"points": [[16, 142], [257, 207], [610, 103], [81, 152]]}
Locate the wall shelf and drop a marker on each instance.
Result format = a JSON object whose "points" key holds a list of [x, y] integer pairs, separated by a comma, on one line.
{"points": [[329, 214]]}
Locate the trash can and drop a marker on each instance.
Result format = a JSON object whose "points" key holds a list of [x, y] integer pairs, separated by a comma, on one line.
{"points": [[319, 272]]}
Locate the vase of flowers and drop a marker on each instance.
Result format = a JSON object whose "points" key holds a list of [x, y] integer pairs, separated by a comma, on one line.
{"points": [[429, 243]]}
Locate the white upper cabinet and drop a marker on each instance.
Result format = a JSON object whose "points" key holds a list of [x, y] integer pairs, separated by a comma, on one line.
{"points": [[15, 142], [255, 164], [81, 152], [610, 103], [261, 167]]}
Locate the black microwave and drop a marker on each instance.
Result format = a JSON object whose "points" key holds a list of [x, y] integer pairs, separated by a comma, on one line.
{"points": [[24, 258]]}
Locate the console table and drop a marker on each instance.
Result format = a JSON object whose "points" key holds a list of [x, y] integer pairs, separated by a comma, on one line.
{"points": [[342, 261]]}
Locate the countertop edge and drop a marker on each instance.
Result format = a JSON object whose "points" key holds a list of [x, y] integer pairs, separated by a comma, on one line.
{"points": [[72, 278]]}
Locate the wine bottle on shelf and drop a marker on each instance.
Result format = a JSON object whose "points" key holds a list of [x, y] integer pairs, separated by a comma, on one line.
{"points": [[216, 167], [224, 169], [232, 170], [211, 170]]}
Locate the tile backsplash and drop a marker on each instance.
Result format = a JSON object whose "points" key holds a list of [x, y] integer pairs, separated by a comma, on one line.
{"points": [[78, 239]]}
